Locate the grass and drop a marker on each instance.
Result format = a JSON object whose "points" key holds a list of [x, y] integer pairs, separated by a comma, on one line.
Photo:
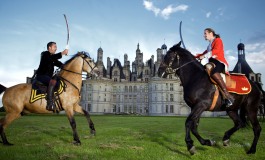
{"points": [[123, 137]]}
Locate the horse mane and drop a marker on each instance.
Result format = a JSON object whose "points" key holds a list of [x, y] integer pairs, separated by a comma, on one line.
{"points": [[86, 54], [69, 60], [187, 54]]}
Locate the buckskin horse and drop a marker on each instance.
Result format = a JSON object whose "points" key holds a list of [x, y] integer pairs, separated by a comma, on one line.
{"points": [[198, 95], [16, 98]]}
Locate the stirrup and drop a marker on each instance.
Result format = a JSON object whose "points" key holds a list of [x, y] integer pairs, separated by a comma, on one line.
{"points": [[50, 107], [228, 103]]}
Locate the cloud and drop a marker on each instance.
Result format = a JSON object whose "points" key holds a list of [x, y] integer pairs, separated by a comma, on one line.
{"points": [[208, 14], [166, 12], [150, 7], [256, 53], [221, 11]]}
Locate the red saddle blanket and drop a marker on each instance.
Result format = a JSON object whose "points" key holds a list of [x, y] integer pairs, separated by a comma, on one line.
{"points": [[238, 83]]}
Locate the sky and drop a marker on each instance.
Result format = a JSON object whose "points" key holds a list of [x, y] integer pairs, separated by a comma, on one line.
{"points": [[117, 26]]}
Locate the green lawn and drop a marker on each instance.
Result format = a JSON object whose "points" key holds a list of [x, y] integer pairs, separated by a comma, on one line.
{"points": [[123, 137]]}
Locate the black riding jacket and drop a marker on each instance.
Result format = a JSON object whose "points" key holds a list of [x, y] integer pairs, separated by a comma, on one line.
{"points": [[47, 63]]}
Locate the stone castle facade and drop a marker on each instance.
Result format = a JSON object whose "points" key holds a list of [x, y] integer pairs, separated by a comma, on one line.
{"points": [[133, 88]]}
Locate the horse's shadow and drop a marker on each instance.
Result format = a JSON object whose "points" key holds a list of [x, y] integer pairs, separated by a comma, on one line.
{"points": [[65, 130], [172, 144], [164, 141]]}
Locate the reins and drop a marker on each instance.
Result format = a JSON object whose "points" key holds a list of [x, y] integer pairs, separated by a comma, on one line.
{"points": [[169, 69]]}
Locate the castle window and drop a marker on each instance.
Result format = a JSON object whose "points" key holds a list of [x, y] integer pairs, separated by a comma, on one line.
{"points": [[171, 108], [89, 97], [88, 107], [171, 87], [134, 88], [171, 97], [146, 72]]}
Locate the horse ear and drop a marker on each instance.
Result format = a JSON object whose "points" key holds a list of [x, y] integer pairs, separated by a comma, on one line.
{"points": [[178, 45]]}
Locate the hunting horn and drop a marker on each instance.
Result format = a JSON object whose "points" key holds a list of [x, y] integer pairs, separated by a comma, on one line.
{"points": [[181, 34], [68, 33]]}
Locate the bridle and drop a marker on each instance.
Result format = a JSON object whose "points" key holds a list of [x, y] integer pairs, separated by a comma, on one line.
{"points": [[170, 70], [84, 60]]}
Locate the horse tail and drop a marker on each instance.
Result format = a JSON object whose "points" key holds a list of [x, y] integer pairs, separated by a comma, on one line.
{"points": [[262, 101], [2, 88]]}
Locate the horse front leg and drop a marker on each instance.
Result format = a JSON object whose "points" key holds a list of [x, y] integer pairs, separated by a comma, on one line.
{"points": [[195, 132], [79, 109], [192, 123], [90, 122], [73, 125], [237, 125]]}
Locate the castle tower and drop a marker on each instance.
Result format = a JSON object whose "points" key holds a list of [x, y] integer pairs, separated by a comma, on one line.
{"points": [[100, 56], [164, 49], [108, 67], [100, 61], [242, 65]]}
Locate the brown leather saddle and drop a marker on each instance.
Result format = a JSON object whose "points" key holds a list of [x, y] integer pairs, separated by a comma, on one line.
{"points": [[39, 91]]}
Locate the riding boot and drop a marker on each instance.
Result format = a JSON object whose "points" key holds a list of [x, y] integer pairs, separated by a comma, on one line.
{"points": [[50, 106], [228, 99]]}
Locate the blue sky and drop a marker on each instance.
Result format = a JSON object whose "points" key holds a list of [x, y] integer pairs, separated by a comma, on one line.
{"points": [[118, 25]]}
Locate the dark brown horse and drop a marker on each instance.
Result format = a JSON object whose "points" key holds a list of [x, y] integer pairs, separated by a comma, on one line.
{"points": [[16, 98], [198, 94]]}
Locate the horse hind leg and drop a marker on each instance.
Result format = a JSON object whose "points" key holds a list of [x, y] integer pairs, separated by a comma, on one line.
{"points": [[256, 129], [4, 122], [79, 109]]}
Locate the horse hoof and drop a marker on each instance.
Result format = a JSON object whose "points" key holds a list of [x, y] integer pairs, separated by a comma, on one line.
{"points": [[251, 151], [192, 150], [93, 132], [226, 142], [77, 143], [213, 143], [8, 144]]}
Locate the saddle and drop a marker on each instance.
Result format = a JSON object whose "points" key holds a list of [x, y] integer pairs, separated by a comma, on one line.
{"points": [[39, 91], [235, 83]]}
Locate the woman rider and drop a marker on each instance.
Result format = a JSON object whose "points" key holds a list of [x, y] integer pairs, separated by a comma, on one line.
{"points": [[215, 54]]}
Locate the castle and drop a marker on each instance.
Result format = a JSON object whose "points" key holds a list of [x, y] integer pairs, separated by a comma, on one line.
{"points": [[133, 89]]}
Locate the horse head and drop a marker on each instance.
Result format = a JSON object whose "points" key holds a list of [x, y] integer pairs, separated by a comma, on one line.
{"points": [[89, 66], [175, 59]]}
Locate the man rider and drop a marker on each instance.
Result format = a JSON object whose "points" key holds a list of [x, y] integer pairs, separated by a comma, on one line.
{"points": [[49, 59]]}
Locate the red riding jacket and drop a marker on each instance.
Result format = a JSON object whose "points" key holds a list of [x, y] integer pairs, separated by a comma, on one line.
{"points": [[217, 52]]}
